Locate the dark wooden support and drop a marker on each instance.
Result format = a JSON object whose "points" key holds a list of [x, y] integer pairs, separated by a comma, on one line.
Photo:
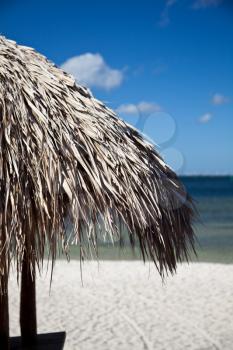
{"points": [[4, 315], [28, 322], [4, 273]]}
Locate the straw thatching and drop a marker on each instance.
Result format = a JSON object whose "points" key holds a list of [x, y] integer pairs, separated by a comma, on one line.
{"points": [[66, 157]]}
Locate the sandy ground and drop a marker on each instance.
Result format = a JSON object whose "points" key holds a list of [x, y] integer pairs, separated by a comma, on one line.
{"points": [[124, 305]]}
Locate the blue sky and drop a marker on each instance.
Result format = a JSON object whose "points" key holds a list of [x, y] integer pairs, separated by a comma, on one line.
{"points": [[165, 66]]}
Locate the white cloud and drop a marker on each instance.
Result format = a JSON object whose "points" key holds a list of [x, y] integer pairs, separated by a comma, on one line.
{"points": [[91, 70], [164, 17], [140, 108], [205, 118], [219, 99], [200, 4]]}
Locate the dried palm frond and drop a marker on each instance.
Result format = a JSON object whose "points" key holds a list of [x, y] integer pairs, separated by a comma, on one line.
{"points": [[64, 156]]}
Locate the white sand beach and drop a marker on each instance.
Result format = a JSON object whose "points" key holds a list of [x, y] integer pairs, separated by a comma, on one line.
{"points": [[124, 305]]}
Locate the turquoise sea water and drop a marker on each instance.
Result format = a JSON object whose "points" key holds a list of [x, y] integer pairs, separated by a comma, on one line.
{"points": [[213, 196], [214, 200]]}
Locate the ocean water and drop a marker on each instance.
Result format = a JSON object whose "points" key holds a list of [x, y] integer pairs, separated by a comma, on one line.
{"points": [[213, 196], [213, 228]]}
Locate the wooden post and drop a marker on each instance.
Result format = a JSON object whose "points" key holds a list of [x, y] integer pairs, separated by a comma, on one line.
{"points": [[28, 322], [4, 314], [4, 304]]}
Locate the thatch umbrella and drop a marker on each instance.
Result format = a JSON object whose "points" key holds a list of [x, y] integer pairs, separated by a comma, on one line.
{"points": [[65, 156]]}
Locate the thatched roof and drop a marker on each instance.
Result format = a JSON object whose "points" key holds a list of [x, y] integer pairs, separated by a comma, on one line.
{"points": [[64, 154]]}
